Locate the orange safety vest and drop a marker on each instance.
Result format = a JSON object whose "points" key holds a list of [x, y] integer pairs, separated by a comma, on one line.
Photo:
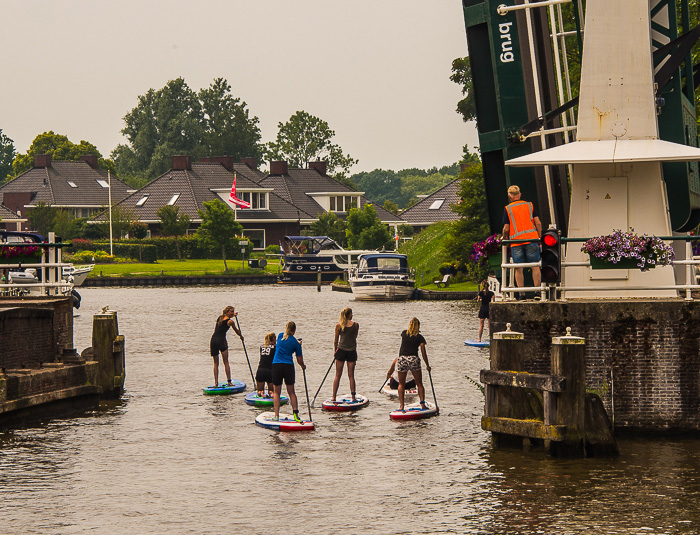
{"points": [[522, 226]]}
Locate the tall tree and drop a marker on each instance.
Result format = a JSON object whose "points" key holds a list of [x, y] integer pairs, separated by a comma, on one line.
{"points": [[177, 120], [7, 156], [219, 226], [65, 225], [305, 138], [365, 230], [122, 219], [173, 223], [379, 185], [41, 217], [60, 148], [462, 75], [329, 225], [228, 127]]}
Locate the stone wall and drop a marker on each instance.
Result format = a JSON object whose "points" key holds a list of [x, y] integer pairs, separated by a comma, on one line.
{"points": [[642, 356]]}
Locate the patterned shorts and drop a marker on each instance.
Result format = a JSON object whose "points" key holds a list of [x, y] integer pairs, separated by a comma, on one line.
{"points": [[407, 363]]}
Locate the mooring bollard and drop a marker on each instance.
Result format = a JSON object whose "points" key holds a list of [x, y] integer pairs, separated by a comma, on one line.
{"points": [[318, 281]]}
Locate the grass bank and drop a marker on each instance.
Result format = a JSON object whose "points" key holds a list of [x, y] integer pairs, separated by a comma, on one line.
{"points": [[181, 268]]}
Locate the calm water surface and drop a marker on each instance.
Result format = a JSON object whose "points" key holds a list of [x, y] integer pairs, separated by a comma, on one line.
{"points": [[169, 460]]}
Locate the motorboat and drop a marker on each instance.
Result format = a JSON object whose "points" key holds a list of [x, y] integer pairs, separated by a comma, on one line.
{"points": [[304, 257], [382, 277], [78, 273]]}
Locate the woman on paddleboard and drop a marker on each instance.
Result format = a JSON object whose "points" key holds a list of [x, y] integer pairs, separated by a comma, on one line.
{"points": [[218, 343], [393, 377], [345, 347], [485, 297], [264, 372], [408, 360], [283, 368]]}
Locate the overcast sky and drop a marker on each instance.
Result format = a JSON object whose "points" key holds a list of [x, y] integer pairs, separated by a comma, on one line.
{"points": [[376, 70]]}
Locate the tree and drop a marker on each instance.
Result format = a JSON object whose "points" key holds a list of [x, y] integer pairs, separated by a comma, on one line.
{"points": [[176, 120], [65, 225], [122, 219], [173, 223], [305, 138], [462, 75], [41, 217], [329, 225], [60, 148], [228, 127], [379, 185], [391, 206], [7, 156], [219, 226], [365, 230]]}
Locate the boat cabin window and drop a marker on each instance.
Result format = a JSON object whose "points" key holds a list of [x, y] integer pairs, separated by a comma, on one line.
{"points": [[389, 264]]}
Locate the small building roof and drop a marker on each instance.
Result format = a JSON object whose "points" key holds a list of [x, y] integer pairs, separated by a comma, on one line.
{"points": [[435, 207]]}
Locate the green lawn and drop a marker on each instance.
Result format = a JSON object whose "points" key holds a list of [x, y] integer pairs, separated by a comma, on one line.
{"points": [[181, 268]]}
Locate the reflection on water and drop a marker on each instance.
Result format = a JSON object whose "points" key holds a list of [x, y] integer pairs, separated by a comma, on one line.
{"points": [[169, 459]]}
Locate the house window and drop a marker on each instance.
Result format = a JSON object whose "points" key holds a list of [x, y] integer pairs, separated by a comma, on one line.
{"points": [[332, 204], [342, 203], [437, 204], [257, 200], [72, 184], [263, 200], [256, 236], [172, 199], [142, 200], [103, 183]]}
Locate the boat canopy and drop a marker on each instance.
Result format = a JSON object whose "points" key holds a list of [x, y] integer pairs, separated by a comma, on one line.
{"points": [[298, 245], [384, 263]]}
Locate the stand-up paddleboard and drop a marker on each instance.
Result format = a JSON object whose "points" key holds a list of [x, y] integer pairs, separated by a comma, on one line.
{"points": [[394, 392], [474, 343], [345, 403], [285, 423], [264, 401], [414, 412], [224, 389]]}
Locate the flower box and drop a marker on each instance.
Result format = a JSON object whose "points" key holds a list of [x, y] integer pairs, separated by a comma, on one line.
{"points": [[624, 263]]}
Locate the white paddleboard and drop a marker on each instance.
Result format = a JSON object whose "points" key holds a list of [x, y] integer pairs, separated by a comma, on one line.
{"points": [[414, 412], [285, 423], [475, 343], [394, 392], [345, 403]]}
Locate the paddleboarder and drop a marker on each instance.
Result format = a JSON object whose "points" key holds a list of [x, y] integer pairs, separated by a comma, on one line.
{"points": [[264, 372], [283, 368], [408, 360], [218, 343], [485, 297], [345, 350], [393, 377]]}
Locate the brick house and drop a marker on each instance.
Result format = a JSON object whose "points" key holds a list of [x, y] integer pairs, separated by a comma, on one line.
{"points": [[78, 186], [10, 220]]}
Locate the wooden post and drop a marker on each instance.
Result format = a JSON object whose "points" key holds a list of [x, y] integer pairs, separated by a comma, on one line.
{"points": [[108, 350], [318, 281], [569, 361], [507, 354]]}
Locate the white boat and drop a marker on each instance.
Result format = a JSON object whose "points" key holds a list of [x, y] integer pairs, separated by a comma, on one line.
{"points": [[79, 273], [382, 277]]}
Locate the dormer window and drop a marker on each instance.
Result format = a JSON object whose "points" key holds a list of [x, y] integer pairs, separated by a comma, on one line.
{"points": [[437, 204], [343, 203], [173, 199], [257, 199], [72, 184], [142, 200]]}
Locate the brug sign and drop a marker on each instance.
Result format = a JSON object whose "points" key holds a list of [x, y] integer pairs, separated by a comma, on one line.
{"points": [[504, 30]]}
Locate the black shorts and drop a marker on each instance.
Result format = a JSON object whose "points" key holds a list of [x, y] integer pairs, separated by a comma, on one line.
{"points": [[346, 356], [263, 375], [394, 384], [217, 345], [283, 372], [483, 314]]}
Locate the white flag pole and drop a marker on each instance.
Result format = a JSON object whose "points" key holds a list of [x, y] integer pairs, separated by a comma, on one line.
{"points": [[109, 190]]}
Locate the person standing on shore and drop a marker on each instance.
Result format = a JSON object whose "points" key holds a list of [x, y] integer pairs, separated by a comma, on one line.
{"points": [[520, 221], [345, 350], [283, 368], [408, 360], [218, 343]]}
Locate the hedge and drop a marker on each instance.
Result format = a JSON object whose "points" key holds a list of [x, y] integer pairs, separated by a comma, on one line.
{"points": [[135, 251], [165, 248]]}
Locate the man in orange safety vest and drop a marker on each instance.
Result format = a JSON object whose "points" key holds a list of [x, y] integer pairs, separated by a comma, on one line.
{"points": [[520, 222]]}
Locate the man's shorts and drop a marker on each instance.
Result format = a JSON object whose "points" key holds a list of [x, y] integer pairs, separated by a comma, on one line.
{"points": [[529, 252]]}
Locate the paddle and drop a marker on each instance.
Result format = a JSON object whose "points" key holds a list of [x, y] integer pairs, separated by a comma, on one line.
{"points": [[430, 376], [246, 353], [324, 380], [382, 387], [306, 387]]}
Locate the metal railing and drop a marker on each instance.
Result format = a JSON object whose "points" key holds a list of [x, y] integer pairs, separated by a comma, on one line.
{"points": [[548, 291], [48, 270]]}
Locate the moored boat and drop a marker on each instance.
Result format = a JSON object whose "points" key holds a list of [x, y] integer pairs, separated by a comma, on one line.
{"points": [[306, 256], [382, 277]]}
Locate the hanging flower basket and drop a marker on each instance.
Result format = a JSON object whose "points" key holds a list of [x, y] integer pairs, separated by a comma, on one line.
{"points": [[30, 254], [486, 251], [628, 250]]}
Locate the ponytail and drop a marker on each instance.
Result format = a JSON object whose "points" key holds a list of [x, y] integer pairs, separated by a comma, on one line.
{"points": [[289, 330]]}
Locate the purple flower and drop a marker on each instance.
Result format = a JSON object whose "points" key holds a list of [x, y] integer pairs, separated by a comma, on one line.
{"points": [[649, 251]]}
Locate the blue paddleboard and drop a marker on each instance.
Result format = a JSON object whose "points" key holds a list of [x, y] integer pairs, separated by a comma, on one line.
{"points": [[223, 389], [474, 343], [286, 422], [264, 401]]}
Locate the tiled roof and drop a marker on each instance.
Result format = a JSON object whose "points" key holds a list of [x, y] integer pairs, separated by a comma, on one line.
{"points": [[298, 183], [68, 184], [8, 215], [195, 188], [431, 210]]}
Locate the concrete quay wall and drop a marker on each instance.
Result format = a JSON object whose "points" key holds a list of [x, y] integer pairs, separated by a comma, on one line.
{"points": [[642, 356]]}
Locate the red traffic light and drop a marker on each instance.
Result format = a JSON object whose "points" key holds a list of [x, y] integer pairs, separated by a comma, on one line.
{"points": [[550, 239]]}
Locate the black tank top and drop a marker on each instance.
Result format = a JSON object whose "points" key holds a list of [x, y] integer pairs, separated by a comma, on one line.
{"points": [[220, 329]]}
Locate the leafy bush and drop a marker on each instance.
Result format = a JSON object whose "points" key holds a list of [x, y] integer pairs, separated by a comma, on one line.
{"points": [[81, 257], [136, 251], [273, 249], [80, 244]]}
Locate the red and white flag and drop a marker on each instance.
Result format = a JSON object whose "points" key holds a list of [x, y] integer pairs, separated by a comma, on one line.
{"points": [[235, 200]]}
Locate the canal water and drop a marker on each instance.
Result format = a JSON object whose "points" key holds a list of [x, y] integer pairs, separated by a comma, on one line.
{"points": [[167, 459]]}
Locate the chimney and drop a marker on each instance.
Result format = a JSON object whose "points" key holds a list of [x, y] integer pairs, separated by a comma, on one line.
{"points": [[279, 168], [181, 163], [42, 160], [226, 161], [90, 159], [319, 166], [250, 162]]}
